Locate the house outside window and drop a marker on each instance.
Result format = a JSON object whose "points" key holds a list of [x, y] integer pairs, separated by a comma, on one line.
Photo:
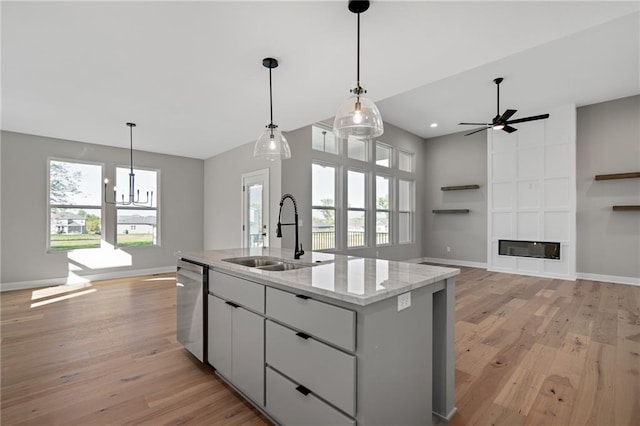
{"points": [[137, 225], [75, 205]]}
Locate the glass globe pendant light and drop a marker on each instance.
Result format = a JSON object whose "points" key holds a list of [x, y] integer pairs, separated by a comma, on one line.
{"points": [[358, 116], [271, 145]]}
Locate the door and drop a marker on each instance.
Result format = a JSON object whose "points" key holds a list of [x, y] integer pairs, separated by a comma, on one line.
{"points": [[255, 209], [219, 337], [247, 343]]}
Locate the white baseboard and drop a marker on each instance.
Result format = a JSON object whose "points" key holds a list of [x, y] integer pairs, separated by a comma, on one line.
{"points": [[609, 278], [453, 262], [74, 279]]}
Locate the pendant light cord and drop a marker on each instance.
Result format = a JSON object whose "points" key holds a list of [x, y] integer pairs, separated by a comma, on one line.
{"points": [[270, 100], [358, 55]]}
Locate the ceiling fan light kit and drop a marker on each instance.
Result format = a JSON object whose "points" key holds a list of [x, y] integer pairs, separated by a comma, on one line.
{"points": [[502, 122], [358, 116], [271, 145]]}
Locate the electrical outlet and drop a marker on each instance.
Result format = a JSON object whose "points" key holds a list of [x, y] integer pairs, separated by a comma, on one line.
{"points": [[448, 249], [404, 301]]}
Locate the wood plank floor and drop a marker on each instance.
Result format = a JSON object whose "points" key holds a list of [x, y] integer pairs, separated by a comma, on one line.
{"points": [[529, 351]]}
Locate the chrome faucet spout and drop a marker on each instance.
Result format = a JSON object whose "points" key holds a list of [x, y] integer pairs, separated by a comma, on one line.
{"points": [[298, 247]]}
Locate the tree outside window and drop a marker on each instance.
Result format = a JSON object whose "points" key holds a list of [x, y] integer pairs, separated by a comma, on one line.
{"points": [[75, 205]]}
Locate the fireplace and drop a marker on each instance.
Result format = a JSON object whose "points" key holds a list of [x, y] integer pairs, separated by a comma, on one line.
{"points": [[537, 249]]}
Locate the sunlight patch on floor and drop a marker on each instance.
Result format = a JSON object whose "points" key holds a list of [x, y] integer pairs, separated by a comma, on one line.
{"points": [[65, 297]]}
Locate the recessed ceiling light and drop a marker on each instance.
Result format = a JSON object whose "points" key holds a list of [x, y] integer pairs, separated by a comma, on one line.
{"points": [[434, 124]]}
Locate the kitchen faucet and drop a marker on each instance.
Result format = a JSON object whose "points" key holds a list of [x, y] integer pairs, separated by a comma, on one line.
{"points": [[298, 249]]}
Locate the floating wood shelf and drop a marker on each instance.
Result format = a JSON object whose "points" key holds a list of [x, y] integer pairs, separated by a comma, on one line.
{"points": [[451, 211], [459, 187], [625, 208], [619, 176]]}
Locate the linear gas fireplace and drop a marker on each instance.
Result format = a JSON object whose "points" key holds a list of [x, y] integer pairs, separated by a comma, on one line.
{"points": [[538, 249]]}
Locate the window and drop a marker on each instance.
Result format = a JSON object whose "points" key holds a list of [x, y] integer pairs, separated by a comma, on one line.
{"points": [[323, 212], [75, 205], [406, 196], [323, 140], [137, 225], [383, 155], [405, 161], [383, 216], [357, 148], [356, 225]]}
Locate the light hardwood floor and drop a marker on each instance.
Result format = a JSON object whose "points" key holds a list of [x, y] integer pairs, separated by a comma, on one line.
{"points": [[529, 351]]}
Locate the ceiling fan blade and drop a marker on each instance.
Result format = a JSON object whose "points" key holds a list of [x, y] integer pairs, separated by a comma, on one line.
{"points": [[476, 131], [532, 118], [507, 115], [509, 129], [474, 124]]}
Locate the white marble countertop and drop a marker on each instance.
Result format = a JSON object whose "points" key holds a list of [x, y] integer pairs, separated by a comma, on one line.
{"points": [[356, 280]]}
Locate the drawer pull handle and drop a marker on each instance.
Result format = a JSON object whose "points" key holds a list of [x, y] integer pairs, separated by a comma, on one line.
{"points": [[303, 390], [233, 305], [302, 335], [302, 296]]}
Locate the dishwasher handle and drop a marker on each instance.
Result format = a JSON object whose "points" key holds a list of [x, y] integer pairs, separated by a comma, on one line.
{"points": [[198, 269]]}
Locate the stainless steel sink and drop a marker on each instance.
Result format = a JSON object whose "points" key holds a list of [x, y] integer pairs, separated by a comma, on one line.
{"points": [[254, 261], [267, 263], [284, 267]]}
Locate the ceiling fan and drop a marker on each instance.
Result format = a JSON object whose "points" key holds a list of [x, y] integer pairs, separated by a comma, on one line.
{"points": [[502, 122]]}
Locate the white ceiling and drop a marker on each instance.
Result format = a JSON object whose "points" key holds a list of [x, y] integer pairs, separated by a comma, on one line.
{"points": [[190, 73]]}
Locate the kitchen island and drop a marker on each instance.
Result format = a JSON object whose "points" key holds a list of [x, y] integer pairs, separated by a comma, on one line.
{"points": [[332, 339]]}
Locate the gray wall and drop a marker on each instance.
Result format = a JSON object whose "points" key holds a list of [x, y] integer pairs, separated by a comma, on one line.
{"points": [[608, 141], [296, 179], [24, 204], [223, 196], [448, 161]]}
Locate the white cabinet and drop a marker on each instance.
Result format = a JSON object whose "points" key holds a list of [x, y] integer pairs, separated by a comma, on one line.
{"points": [[236, 337]]}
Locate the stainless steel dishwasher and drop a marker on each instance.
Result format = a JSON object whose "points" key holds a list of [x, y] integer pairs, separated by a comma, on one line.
{"points": [[191, 296]]}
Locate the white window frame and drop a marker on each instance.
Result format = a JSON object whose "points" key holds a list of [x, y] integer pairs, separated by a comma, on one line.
{"points": [[365, 209], [389, 210], [156, 196], [336, 203], [72, 206], [411, 211]]}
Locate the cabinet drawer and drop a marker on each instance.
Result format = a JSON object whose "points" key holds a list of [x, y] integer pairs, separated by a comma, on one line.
{"points": [[326, 371], [327, 322], [290, 407], [241, 291]]}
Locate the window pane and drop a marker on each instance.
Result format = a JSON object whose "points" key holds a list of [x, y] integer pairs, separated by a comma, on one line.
{"points": [[355, 189], [75, 183], [383, 155], [74, 229], [405, 195], [323, 140], [356, 228], [323, 187], [382, 192], [145, 186], [323, 231], [136, 228], [382, 228], [405, 161], [404, 227], [357, 148]]}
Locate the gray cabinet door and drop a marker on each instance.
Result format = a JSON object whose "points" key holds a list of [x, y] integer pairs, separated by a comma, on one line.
{"points": [[219, 335], [248, 354]]}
